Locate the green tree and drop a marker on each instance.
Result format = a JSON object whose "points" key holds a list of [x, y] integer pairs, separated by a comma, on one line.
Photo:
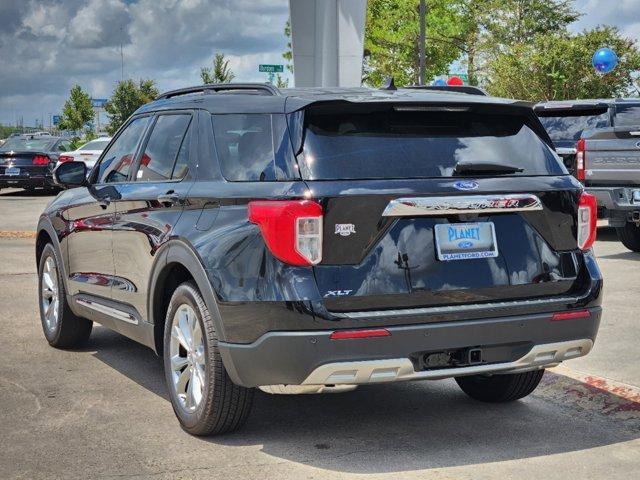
{"points": [[391, 43], [558, 67], [281, 82], [77, 110], [127, 97], [221, 73], [288, 53]]}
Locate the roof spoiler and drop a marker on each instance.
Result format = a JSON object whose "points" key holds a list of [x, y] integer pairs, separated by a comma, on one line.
{"points": [[468, 89], [209, 88]]}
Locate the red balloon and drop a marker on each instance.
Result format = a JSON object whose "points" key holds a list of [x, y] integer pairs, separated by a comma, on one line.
{"points": [[455, 81]]}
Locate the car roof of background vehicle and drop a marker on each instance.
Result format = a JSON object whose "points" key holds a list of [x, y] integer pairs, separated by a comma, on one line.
{"points": [[264, 98]]}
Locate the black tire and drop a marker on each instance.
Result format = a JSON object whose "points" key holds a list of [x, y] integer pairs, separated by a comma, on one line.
{"points": [[69, 330], [629, 235], [224, 406], [500, 388]]}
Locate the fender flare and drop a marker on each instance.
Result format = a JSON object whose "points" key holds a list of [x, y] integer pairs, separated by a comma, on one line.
{"points": [[180, 252]]}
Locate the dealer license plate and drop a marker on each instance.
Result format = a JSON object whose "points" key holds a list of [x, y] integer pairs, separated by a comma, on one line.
{"points": [[464, 241]]}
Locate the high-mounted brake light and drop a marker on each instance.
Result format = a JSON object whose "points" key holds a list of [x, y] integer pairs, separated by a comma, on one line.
{"points": [[40, 160], [587, 221], [292, 229], [364, 333], [65, 158], [581, 160]]}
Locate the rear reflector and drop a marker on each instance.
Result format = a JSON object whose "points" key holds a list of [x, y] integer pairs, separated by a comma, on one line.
{"points": [[368, 333], [572, 315], [40, 160], [292, 229], [587, 221]]}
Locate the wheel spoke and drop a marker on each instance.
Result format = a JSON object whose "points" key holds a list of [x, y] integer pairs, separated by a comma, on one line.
{"points": [[176, 332], [48, 281], [196, 390], [178, 363], [185, 329], [190, 398], [47, 293], [181, 380]]}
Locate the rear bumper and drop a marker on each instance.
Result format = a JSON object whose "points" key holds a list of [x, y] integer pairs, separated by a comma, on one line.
{"points": [[29, 179], [617, 202], [311, 357]]}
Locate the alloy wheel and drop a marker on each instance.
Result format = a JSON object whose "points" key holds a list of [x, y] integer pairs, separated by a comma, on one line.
{"points": [[49, 293], [187, 358]]}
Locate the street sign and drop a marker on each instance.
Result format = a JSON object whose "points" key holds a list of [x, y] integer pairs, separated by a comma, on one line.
{"points": [[98, 102], [271, 68], [56, 119]]}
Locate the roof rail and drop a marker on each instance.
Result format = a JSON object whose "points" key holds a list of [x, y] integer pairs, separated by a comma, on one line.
{"points": [[260, 88], [468, 89]]}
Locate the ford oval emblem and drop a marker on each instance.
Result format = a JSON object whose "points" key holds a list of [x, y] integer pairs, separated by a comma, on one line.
{"points": [[637, 144], [465, 244], [466, 185]]}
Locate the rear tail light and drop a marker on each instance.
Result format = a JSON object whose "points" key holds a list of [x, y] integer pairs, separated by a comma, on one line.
{"points": [[292, 230], [587, 221], [40, 160], [581, 160], [65, 158], [365, 333]]}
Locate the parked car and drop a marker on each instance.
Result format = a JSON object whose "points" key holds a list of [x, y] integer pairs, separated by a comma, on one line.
{"points": [[599, 141], [311, 240], [27, 161], [87, 153]]}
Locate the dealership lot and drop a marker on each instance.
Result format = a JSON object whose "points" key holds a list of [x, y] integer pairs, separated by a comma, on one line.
{"points": [[103, 411]]}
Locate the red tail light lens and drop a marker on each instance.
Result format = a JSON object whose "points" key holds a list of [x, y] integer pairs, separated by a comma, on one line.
{"points": [[587, 221], [581, 160], [292, 230], [65, 158], [40, 160]]}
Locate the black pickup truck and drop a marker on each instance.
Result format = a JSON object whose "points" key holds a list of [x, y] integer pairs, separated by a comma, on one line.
{"points": [[599, 142]]}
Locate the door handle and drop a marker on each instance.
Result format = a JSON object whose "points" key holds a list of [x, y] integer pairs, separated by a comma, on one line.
{"points": [[168, 199]]}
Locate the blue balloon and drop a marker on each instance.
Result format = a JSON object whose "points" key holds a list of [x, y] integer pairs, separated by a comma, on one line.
{"points": [[604, 60], [439, 82]]}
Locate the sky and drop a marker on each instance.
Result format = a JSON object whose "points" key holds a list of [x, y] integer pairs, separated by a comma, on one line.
{"points": [[46, 46]]}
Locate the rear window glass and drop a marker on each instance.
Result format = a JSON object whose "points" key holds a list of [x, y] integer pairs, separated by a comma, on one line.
{"points": [[394, 143], [95, 145], [627, 115], [21, 144], [570, 126]]}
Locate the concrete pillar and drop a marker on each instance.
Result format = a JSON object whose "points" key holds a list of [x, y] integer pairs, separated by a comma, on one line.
{"points": [[327, 37]]}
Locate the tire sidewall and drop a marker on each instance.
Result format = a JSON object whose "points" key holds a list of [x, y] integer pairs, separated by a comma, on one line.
{"points": [[184, 295], [52, 336]]}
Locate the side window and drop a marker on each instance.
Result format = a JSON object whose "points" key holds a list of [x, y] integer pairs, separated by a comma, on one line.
{"points": [[245, 146], [182, 161], [116, 162], [163, 148], [627, 115]]}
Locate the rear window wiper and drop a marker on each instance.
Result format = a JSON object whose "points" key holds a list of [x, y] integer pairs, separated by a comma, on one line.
{"points": [[484, 168]]}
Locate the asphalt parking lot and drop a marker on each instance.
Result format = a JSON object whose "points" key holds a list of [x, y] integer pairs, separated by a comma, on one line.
{"points": [[103, 411]]}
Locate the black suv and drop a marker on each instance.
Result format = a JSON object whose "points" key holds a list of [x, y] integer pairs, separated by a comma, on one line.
{"points": [[312, 240]]}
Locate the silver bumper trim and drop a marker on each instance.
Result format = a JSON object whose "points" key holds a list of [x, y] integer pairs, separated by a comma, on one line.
{"points": [[457, 308], [400, 369]]}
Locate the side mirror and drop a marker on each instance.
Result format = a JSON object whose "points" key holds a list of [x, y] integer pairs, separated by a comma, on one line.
{"points": [[70, 174]]}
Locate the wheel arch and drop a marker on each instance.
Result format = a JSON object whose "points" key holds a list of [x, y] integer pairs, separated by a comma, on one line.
{"points": [[178, 262]]}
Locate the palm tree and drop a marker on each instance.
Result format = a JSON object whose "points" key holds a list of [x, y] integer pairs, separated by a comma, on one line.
{"points": [[221, 73]]}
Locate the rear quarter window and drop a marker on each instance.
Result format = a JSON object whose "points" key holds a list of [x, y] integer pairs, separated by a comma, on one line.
{"points": [[627, 115], [386, 142], [253, 147]]}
